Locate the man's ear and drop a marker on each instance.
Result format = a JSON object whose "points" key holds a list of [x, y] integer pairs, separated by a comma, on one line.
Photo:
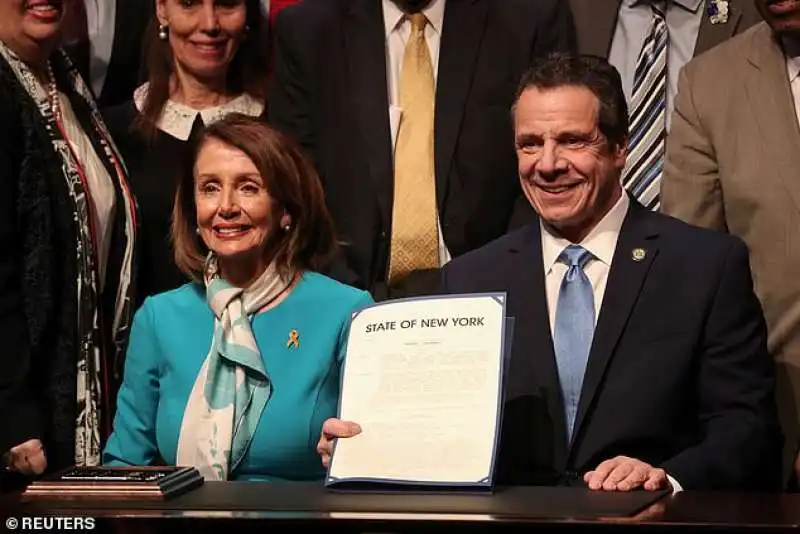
{"points": [[620, 152]]}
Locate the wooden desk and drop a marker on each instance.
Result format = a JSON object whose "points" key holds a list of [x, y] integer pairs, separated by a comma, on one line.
{"points": [[278, 508]]}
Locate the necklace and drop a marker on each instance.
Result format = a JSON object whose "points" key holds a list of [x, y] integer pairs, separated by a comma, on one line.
{"points": [[52, 93]]}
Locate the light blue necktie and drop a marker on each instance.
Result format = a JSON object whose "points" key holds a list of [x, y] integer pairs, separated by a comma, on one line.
{"points": [[574, 329]]}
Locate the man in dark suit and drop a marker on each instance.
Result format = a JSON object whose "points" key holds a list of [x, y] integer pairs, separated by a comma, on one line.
{"points": [[104, 39], [639, 353], [414, 149]]}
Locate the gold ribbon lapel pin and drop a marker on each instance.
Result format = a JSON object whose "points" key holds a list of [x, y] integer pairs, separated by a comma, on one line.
{"points": [[294, 340]]}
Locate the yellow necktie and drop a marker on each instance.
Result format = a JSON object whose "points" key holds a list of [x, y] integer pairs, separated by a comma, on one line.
{"points": [[415, 239]]}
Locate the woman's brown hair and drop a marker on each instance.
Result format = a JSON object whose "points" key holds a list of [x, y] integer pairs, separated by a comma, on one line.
{"points": [[293, 186], [247, 73]]}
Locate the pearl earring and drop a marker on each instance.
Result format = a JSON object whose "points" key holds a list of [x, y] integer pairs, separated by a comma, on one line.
{"points": [[287, 227], [197, 231], [163, 32]]}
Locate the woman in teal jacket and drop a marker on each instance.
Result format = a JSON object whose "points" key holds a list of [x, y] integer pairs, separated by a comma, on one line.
{"points": [[235, 372]]}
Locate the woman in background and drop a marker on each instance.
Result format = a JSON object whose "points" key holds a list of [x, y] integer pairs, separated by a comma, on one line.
{"points": [[66, 248], [235, 372], [204, 59]]}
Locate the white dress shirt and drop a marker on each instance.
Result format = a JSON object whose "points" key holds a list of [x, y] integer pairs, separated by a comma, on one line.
{"points": [[398, 30], [683, 18], [792, 50], [601, 243], [100, 20]]}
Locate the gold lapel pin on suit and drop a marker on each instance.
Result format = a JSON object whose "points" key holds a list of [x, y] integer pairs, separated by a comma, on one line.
{"points": [[638, 254], [294, 340]]}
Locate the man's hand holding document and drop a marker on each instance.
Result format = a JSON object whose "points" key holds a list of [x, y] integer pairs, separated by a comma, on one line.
{"points": [[421, 395]]}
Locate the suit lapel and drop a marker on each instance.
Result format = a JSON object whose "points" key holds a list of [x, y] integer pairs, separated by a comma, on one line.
{"points": [[711, 35], [130, 19], [125, 14], [770, 98], [462, 34], [534, 361], [365, 59], [595, 22], [625, 280]]}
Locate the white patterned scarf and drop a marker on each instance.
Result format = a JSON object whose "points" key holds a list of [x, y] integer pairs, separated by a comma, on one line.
{"points": [[233, 386], [91, 365]]}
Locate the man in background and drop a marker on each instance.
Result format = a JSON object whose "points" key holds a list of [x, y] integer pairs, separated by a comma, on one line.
{"points": [[403, 105], [104, 39], [733, 156], [649, 41]]}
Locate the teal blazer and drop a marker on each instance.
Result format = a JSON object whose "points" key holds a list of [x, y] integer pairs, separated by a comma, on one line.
{"points": [[169, 342]]}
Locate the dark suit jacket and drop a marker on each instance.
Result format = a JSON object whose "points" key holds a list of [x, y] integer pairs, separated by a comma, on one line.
{"points": [[125, 64], [596, 20], [678, 373], [330, 93]]}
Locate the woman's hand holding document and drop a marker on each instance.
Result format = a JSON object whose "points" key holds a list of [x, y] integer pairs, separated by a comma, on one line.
{"points": [[421, 394]]}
